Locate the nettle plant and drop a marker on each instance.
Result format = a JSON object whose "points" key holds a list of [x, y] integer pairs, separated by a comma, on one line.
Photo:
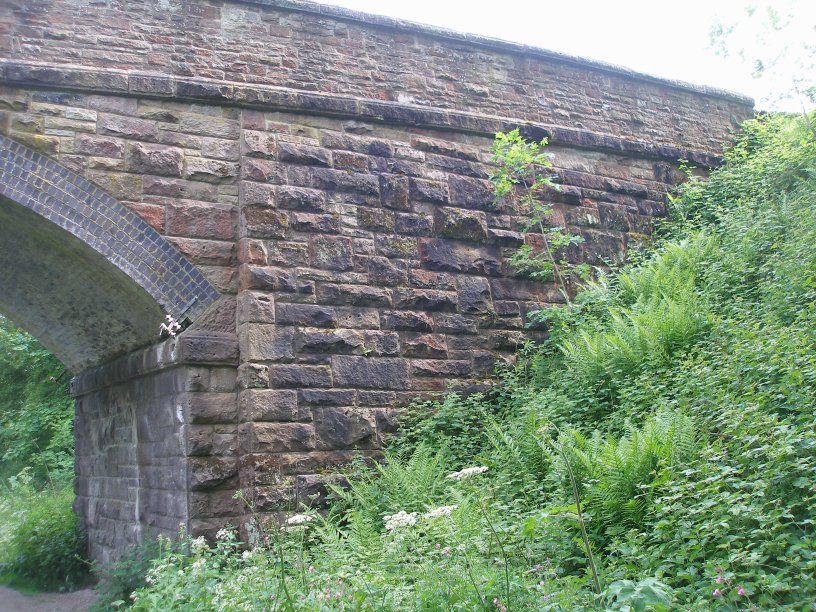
{"points": [[523, 175]]}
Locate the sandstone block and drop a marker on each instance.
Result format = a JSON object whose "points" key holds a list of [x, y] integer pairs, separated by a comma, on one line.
{"points": [[471, 193], [99, 146], [331, 253], [302, 199], [406, 320], [327, 397], [440, 367], [312, 340], [444, 323], [382, 271], [394, 192], [202, 220], [443, 255], [424, 299], [267, 405], [264, 222], [460, 224], [267, 278], [210, 472], [473, 295], [370, 372], [253, 376], [255, 307], [413, 225], [338, 428], [154, 159], [263, 170], [303, 154], [375, 219], [260, 342], [305, 314], [259, 144], [432, 346], [210, 170], [297, 375], [353, 295], [423, 190], [277, 437]]}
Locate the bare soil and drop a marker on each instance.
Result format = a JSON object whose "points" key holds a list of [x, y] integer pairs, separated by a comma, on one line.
{"points": [[78, 601]]}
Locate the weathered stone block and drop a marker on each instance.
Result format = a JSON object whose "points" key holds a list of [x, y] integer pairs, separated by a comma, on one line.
{"points": [[375, 219], [154, 159], [471, 193], [442, 255], [261, 342], [327, 397], [204, 408], [473, 295], [394, 192], [277, 437], [406, 320], [264, 222], [424, 345], [310, 340], [344, 428], [259, 144], [460, 224], [297, 375], [210, 170], [440, 367], [354, 295], [370, 372], [305, 314], [267, 278], [425, 299], [270, 405], [303, 154], [382, 271], [255, 307], [423, 190], [331, 253], [210, 472]]}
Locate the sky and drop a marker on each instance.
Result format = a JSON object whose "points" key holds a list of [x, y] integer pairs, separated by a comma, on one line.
{"points": [[666, 39]]}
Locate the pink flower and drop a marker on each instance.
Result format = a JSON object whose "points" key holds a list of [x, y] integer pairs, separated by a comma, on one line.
{"points": [[717, 593], [311, 568], [741, 592], [718, 579]]}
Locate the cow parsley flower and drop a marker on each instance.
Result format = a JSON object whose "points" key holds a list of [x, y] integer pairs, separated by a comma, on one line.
{"points": [[467, 472], [400, 519], [299, 519], [440, 511]]}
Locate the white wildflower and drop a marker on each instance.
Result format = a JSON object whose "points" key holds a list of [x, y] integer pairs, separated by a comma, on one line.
{"points": [[197, 565], [199, 545], [299, 519], [400, 519], [440, 511], [223, 534], [246, 555], [467, 473]]}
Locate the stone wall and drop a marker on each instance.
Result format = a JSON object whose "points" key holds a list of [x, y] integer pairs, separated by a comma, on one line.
{"points": [[301, 46]]}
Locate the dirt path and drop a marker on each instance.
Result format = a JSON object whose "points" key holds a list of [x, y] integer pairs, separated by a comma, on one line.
{"points": [[78, 601]]}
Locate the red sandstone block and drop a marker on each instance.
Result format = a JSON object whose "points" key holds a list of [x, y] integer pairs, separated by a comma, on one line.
{"points": [[153, 214], [202, 220]]}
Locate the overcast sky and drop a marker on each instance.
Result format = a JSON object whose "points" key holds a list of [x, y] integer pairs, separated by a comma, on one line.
{"points": [[668, 39]]}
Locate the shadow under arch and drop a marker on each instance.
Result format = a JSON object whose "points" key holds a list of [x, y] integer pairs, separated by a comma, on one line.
{"points": [[79, 270]]}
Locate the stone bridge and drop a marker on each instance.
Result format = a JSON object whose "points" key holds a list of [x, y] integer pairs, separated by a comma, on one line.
{"points": [[305, 189]]}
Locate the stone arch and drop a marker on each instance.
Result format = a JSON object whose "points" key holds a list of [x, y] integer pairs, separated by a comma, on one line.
{"points": [[80, 270]]}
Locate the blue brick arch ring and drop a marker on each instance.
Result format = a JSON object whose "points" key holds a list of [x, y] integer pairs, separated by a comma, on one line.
{"points": [[106, 225]]}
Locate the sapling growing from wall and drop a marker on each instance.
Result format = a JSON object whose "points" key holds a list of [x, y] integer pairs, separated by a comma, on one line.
{"points": [[523, 173]]}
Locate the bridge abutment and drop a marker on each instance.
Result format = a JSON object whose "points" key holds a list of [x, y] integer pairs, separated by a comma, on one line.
{"points": [[156, 443]]}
